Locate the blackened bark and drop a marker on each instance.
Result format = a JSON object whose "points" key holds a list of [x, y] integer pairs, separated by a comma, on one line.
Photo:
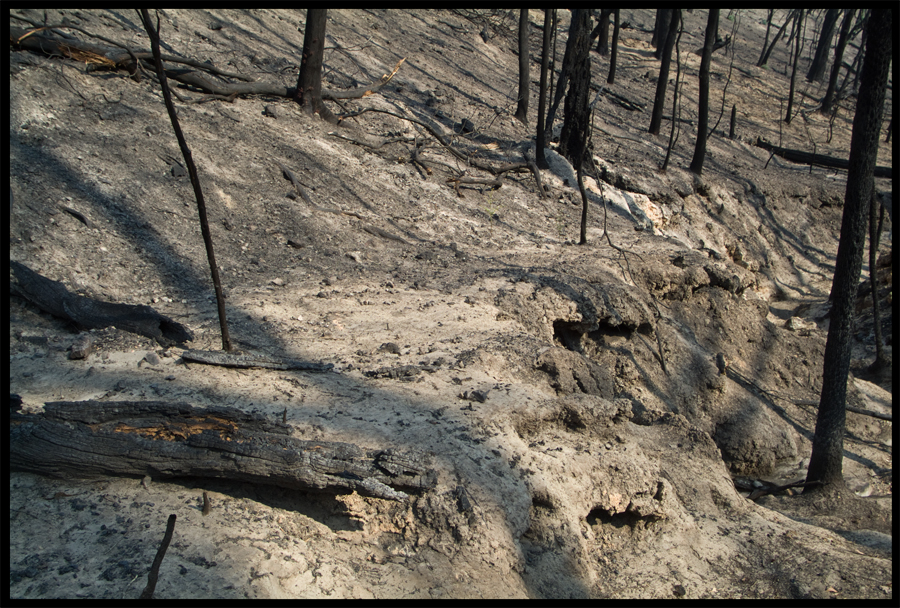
{"points": [[817, 68], [826, 460], [542, 99], [828, 101], [195, 179], [663, 80], [766, 41], [615, 50], [522, 108], [601, 32], [87, 313], [573, 138], [790, 108], [665, 20], [89, 439], [675, 113], [874, 236], [712, 26], [764, 58], [309, 83], [654, 40]]}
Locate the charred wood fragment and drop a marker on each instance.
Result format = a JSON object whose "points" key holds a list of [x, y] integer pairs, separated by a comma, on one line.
{"points": [[90, 439]]}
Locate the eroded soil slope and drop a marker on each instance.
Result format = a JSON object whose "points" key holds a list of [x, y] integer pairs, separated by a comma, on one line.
{"points": [[585, 442]]}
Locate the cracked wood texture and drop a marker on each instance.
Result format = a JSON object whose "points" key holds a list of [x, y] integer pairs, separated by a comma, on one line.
{"points": [[88, 439]]}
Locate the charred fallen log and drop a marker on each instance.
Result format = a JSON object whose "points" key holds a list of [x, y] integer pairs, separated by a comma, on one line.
{"points": [[42, 41], [90, 439], [87, 313], [805, 158]]}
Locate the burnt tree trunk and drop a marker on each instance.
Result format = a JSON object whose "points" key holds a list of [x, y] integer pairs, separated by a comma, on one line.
{"points": [[309, 83], [826, 461], [654, 40], [675, 111], [790, 108], [539, 159], [90, 439], [615, 50], [153, 33], [712, 26], [764, 58], [522, 108], [665, 20], [663, 80], [766, 40], [601, 32], [817, 68], [576, 120], [828, 101], [576, 124], [821, 160], [874, 237]]}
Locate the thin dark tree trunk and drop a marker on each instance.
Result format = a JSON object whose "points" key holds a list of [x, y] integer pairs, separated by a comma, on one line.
{"points": [[522, 109], [195, 179], [712, 26], [765, 45], [826, 460], [309, 83], [790, 107], [576, 123], [663, 80], [665, 21], [573, 138], [551, 86], [817, 68], [764, 58], [676, 115], [602, 32], [654, 40], [828, 101], [540, 160], [860, 55], [615, 50], [561, 82], [874, 237]]}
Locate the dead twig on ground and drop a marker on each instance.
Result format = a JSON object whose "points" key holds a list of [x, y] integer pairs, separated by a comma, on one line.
{"points": [[152, 578]]}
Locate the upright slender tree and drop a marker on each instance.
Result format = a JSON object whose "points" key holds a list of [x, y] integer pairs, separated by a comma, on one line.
{"points": [[601, 32], [540, 160], [874, 236], [843, 38], [522, 108], [309, 83], [663, 80], [654, 40], [615, 50], [790, 107], [826, 461], [665, 20], [764, 57], [576, 124], [575, 114], [817, 67], [563, 80], [673, 136], [712, 26], [766, 40]]}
